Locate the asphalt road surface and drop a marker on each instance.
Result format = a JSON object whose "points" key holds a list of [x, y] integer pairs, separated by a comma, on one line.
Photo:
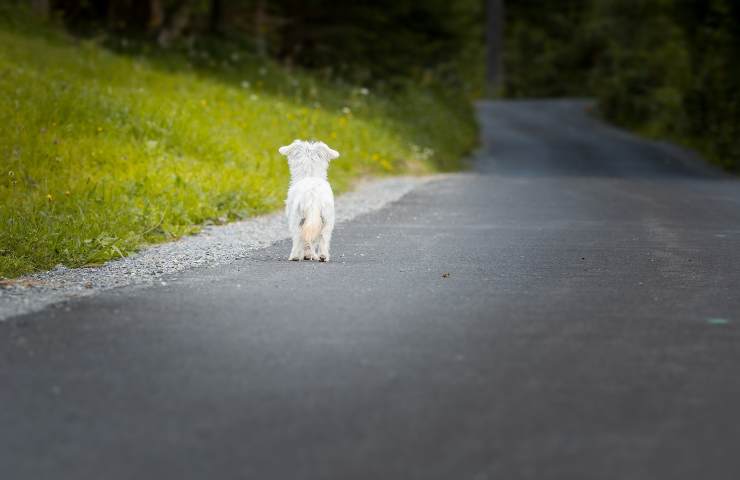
{"points": [[570, 310]]}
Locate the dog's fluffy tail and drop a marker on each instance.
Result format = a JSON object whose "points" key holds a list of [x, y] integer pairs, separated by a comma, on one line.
{"points": [[312, 222]]}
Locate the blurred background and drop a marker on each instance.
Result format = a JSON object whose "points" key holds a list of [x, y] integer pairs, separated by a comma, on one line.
{"points": [[666, 68]]}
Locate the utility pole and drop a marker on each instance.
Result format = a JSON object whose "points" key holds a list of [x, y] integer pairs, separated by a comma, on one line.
{"points": [[495, 21]]}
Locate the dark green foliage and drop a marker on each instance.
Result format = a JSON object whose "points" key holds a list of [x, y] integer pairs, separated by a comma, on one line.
{"points": [[548, 53], [366, 41], [667, 68], [386, 39]]}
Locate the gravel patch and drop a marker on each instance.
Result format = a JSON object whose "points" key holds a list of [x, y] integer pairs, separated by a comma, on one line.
{"points": [[215, 245]]}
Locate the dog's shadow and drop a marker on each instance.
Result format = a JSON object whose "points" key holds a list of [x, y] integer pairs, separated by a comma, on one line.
{"points": [[277, 254]]}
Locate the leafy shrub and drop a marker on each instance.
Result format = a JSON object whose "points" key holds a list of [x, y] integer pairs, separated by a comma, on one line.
{"points": [[666, 68]]}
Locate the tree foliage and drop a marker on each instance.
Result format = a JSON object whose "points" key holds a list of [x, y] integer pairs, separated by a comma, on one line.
{"points": [[364, 40], [665, 67]]}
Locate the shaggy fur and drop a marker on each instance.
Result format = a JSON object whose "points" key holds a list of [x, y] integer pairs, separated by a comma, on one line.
{"points": [[310, 202]]}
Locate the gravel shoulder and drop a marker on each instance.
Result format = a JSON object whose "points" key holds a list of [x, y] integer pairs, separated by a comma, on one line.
{"points": [[216, 245]]}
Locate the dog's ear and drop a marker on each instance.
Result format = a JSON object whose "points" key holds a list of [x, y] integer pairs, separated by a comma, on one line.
{"points": [[289, 148], [330, 154]]}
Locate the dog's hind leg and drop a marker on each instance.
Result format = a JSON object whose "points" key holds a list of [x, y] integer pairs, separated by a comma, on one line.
{"points": [[296, 252], [308, 251], [324, 244]]}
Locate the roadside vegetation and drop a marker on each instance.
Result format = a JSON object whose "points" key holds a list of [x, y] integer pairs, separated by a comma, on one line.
{"points": [[111, 142], [666, 68]]}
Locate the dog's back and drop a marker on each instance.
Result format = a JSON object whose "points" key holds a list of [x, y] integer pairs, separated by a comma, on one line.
{"points": [[312, 204]]}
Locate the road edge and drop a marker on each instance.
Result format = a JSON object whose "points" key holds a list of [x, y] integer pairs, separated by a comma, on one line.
{"points": [[214, 246]]}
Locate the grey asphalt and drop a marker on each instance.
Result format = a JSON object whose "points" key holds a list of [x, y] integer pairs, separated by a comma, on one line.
{"points": [[569, 309]]}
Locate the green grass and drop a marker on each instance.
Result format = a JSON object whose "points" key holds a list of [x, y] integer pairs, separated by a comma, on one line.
{"points": [[104, 151]]}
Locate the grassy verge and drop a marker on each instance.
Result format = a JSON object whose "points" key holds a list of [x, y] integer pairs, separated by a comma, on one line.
{"points": [[104, 151]]}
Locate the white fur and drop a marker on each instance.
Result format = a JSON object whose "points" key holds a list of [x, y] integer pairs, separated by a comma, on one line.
{"points": [[310, 202]]}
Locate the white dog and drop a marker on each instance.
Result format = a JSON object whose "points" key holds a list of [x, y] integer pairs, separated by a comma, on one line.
{"points": [[310, 202]]}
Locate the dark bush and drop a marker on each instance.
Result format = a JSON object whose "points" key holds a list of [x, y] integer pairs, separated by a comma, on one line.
{"points": [[666, 68]]}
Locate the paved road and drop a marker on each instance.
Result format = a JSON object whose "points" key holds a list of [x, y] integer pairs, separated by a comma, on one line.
{"points": [[589, 328]]}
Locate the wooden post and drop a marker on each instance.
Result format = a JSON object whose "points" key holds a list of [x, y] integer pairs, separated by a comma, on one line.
{"points": [[260, 28], [175, 23], [42, 7], [216, 16]]}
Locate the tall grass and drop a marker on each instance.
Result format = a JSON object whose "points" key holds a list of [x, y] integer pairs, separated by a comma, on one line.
{"points": [[102, 152]]}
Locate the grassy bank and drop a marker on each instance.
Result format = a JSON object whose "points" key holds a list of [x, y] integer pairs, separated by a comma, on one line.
{"points": [[106, 150]]}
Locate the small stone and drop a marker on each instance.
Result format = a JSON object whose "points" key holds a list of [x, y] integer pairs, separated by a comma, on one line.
{"points": [[717, 321]]}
